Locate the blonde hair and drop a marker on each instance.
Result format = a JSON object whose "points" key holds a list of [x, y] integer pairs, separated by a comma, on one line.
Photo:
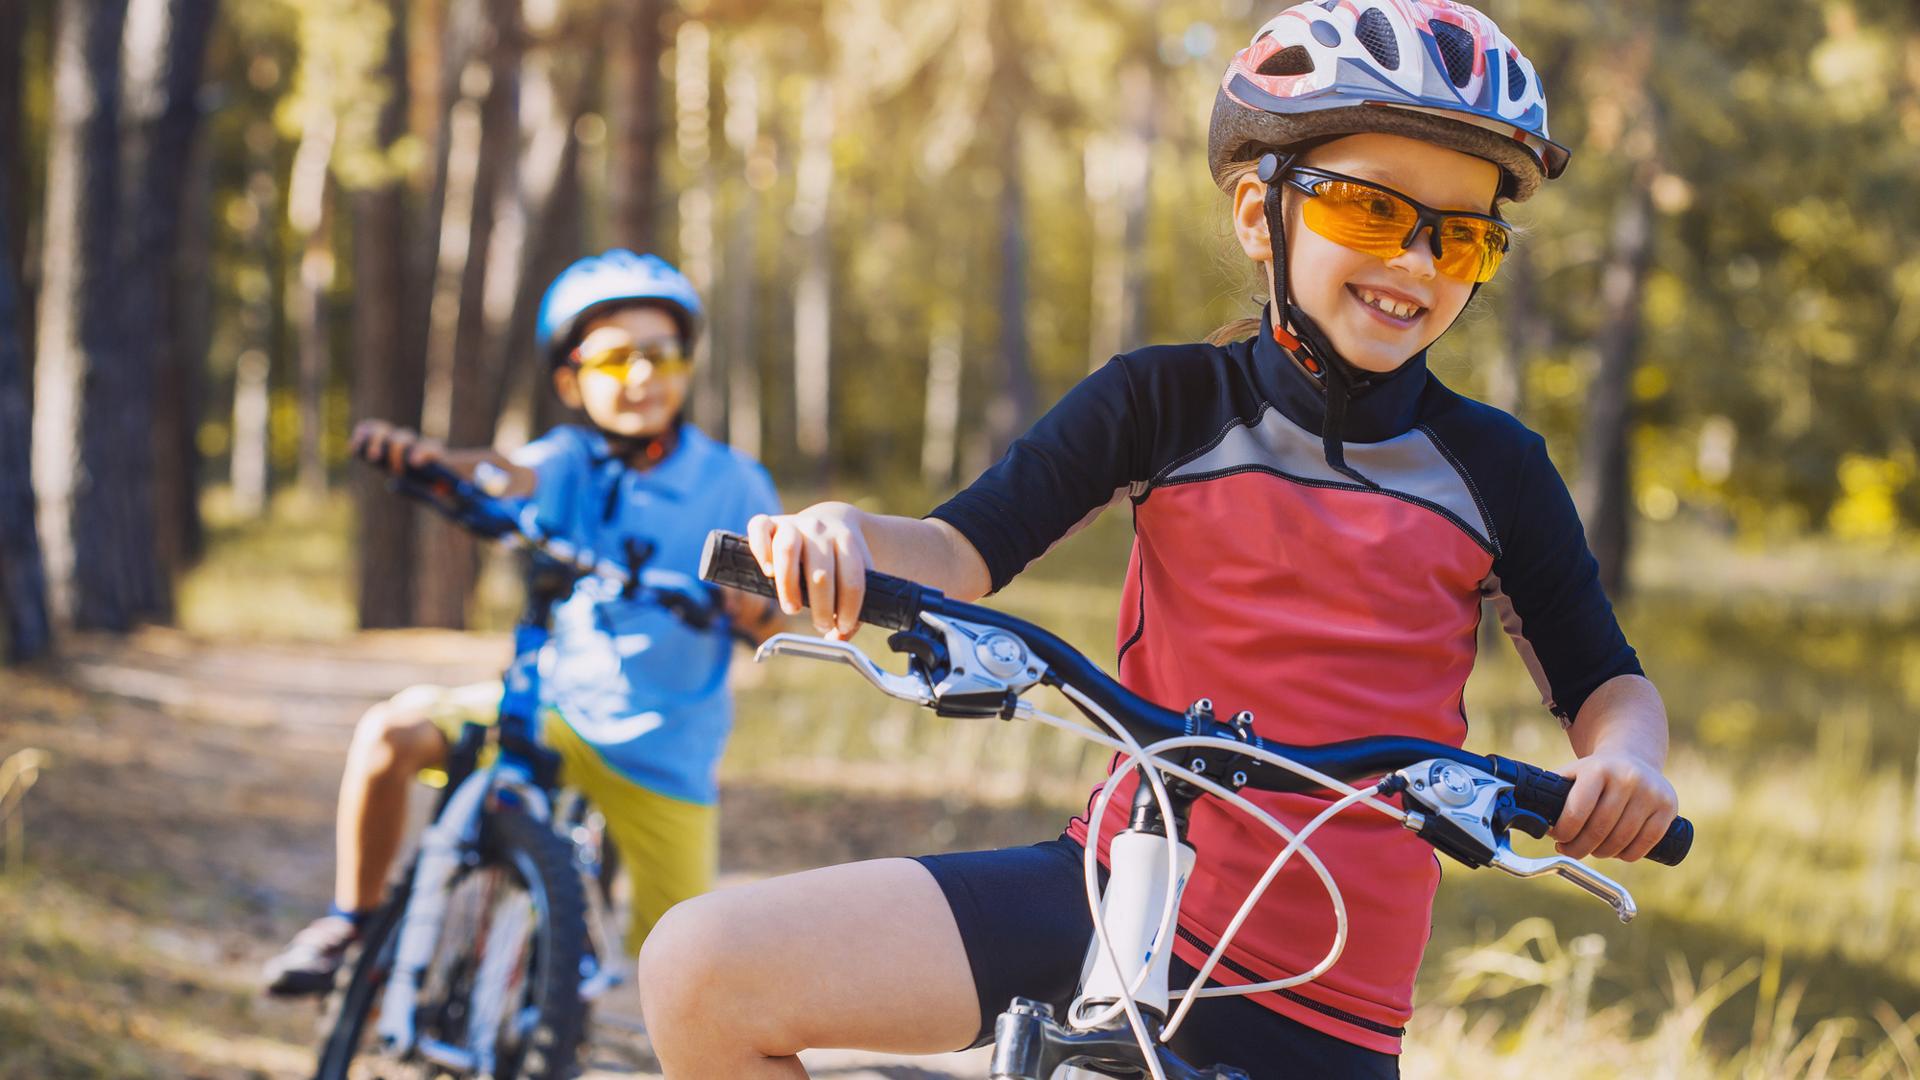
{"points": [[1240, 328]]}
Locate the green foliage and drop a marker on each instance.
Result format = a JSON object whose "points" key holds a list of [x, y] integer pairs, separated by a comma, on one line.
{"points": [[1776, 392]]}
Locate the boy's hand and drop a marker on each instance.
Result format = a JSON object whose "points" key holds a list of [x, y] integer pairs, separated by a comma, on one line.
{"points": [[754, 617], [397, 448], [824, 547], [1620, 806]]}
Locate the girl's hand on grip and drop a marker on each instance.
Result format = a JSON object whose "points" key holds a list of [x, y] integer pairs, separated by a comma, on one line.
{"points": [[818, 560], [1619, 808]]}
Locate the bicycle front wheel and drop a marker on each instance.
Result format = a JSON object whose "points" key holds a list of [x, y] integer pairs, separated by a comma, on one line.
{"points": [[503, 986]]}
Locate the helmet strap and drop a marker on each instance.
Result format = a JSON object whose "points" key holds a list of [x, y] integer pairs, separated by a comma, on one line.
{"points": [[1300, 336], [642, 451]]}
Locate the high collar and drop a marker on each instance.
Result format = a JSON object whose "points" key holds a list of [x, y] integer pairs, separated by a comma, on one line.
{"points": [[1385, 406]]}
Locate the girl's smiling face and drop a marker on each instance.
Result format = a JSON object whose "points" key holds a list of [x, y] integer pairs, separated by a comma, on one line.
{"points": [[1377, 312]]}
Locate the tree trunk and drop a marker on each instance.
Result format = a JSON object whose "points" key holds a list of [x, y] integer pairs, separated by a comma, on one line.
{"points": [[14, 27], [22, 582], [387, 375], [459, 386], [634, 181], [1119, 183], [526, 251], [733, 336], [813, 288], [307, 212], [1012, 405], [1528, 332], [939, 444], [250, 462], [90, 416], [1606, 463], [180, 396], [693, 107], [1605, 491]]}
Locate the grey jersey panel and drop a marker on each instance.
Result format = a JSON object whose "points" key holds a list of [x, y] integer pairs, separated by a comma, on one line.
{"points": [[1411, 466]]}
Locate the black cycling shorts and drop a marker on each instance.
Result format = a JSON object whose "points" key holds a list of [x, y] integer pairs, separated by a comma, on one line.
{"points": [[1023, 917]]}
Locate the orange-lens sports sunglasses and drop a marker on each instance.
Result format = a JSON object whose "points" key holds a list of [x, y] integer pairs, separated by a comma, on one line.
{"points": [[1382, 222], [663, 357]]}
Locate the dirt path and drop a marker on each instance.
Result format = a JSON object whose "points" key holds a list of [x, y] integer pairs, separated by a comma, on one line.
{"points": [[184, 830]]}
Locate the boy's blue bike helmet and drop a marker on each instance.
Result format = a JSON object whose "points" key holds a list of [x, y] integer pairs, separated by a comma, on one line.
{"points": [[613, 277]]}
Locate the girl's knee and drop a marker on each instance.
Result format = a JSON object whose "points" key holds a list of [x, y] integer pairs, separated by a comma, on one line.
{"points": [[685, 965]]}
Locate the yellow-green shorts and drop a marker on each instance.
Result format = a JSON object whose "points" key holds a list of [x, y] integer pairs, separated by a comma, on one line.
{"points": [[671, 847]]}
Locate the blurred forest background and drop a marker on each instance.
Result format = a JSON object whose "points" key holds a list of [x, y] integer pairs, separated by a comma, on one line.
{"points": [[230, 230]]}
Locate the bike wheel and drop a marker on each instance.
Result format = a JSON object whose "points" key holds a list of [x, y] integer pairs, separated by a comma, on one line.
{"points": [[350, 1015], [506, 970]]}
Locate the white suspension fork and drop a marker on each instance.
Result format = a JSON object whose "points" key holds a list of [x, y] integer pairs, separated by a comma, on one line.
{"points": [[454, 831]]}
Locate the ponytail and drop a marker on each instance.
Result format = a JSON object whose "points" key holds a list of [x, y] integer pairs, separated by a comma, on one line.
{"points": [[1234, 331]]}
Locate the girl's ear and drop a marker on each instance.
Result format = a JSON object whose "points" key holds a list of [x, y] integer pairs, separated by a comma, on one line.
{"points": [[1250, 218], [566, 385]]}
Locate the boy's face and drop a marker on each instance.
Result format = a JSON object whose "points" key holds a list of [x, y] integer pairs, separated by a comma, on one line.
{"points": [[638, 397]]}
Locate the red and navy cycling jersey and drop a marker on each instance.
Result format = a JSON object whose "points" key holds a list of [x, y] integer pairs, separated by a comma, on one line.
{"points": [[1266, 580]]}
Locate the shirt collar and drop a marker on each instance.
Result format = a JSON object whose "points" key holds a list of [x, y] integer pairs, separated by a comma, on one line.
{"points": [[1387, 406], [677, 474]]}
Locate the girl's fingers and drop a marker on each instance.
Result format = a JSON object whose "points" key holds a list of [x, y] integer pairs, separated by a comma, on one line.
{"points": [[850, 566], [1633, 820], [1573, 816], [785, 569], [1652, 831], [1599, 824], [817, 557], [760, 541]]}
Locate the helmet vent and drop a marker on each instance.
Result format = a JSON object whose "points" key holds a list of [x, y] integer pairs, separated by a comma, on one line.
{"points": [[1292, 60], [1516, 80], [1376, 34], [1456, 49]]}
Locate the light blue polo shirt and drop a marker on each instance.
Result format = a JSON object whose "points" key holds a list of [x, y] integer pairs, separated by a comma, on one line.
{"points": [[638, 685]]}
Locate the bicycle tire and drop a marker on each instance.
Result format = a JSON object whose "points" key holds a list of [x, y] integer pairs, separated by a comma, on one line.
{"points": [[349, 1008], [543, 862]]}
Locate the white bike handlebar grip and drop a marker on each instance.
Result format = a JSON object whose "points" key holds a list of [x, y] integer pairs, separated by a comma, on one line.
{"points": [[1136, 897]]}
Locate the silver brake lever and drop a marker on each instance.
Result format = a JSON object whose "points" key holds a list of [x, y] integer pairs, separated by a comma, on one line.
{"points": [[905, 687], [1573, 870]]}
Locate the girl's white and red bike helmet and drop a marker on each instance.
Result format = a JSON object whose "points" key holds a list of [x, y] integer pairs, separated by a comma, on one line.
{"points": [[1428, 69]]}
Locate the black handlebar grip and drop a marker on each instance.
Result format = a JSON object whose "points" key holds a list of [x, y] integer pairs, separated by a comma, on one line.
{"points": [[890, 601], [1545, 793]]}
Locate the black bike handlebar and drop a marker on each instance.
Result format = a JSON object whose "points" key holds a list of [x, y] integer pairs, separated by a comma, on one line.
{"points": [[897, 604], [464, 502]]}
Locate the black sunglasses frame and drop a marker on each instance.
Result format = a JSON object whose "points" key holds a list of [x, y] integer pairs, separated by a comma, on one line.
{"points": [[1426, 217]]}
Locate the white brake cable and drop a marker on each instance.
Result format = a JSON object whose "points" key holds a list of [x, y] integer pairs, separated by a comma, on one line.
{"points": [[1125, 743], [1136, 758]]}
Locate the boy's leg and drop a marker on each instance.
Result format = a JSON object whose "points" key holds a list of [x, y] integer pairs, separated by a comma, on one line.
{"points": [[670, 847], [392, 742]]}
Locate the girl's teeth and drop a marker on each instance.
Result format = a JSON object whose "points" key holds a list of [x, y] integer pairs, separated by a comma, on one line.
{"points": [[1398, 309]]}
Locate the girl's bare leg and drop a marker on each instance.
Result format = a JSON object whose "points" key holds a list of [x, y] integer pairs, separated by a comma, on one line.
{"points": [[866, 955]]}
